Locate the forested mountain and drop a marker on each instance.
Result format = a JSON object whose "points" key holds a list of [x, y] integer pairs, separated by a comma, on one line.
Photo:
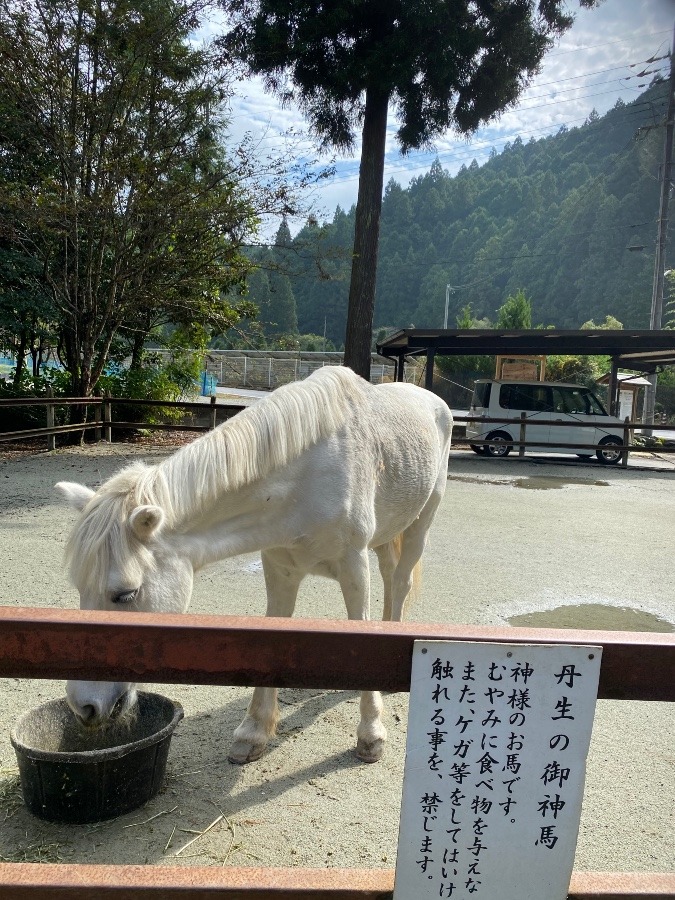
{"points": [[553, 217]]}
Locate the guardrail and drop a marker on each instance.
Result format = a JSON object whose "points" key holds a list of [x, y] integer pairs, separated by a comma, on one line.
{"points": [[304, 653]]}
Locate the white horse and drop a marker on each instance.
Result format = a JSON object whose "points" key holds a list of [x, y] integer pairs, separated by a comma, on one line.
{"points": [[313, 476]]}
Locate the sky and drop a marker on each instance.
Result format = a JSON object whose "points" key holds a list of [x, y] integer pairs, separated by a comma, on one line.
{"points": [[600, 59]]}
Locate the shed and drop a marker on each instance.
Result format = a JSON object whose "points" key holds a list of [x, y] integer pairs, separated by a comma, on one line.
{"points": [[637, 350], [629, 387]]}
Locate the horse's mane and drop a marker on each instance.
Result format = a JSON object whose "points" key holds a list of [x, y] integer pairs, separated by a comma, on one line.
{"points": [[246, 448]]}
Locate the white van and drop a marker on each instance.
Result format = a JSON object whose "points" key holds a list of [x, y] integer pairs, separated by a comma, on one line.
{"points": [[546, 402]]}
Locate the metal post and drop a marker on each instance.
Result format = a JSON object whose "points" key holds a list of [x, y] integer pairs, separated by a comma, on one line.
{"points": [[612, 388], [521, 437], [626, 442], [429, 374], [659, 259], [214, 412], [51, 438]]}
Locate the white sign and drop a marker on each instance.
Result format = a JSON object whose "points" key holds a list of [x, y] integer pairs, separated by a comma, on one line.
{"points": [[498, 736], [626, 405]]}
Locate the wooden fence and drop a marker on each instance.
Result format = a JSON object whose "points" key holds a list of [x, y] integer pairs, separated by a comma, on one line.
{"points": [[303, 653], [99, 416], [102, 423]]}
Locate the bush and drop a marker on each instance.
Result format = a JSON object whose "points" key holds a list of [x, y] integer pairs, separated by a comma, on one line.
{"points": [[18, 418], [154, 380]]}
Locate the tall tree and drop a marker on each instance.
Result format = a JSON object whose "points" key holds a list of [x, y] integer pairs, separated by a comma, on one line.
{"points": [[133, 215], [280, 313], [440, 64]]}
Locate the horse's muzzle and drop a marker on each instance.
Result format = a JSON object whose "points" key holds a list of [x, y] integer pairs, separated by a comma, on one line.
{"points": [[95, 703]]}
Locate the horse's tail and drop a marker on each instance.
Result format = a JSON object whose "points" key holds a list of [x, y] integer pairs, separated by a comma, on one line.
{"points": [[416, 588]]}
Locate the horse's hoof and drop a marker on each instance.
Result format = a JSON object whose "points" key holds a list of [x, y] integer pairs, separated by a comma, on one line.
{"points": [[370, 752], [242, 752]]}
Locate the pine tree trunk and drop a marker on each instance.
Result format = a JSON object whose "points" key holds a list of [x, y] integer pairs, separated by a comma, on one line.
{"points": [[366, 236]]}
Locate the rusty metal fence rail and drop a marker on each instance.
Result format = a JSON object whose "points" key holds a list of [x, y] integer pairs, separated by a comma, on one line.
{"points": [[37, 643]]}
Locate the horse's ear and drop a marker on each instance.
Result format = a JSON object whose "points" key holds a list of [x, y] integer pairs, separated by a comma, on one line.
{"points": [[146, 521], [77, 495]]}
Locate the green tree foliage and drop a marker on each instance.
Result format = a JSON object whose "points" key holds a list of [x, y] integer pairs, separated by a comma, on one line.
{"points": [[553, 217], [115, 184], [279, 313], [440, 64], [515, 312], [26, 311], [467, 367]]}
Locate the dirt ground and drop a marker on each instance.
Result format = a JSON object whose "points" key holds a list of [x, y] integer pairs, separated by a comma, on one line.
{"points": [[511, 538]]}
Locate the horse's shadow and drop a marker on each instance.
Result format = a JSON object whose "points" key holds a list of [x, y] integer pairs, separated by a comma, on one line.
{"points": [[300, 710], [262, 779]]}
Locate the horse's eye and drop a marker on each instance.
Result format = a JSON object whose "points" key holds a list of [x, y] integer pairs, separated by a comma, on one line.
{"points": [[125, 597]]}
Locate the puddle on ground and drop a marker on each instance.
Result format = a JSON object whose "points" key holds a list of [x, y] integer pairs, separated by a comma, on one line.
{"points": [[593, 616], [532, 482], [540, 483]]}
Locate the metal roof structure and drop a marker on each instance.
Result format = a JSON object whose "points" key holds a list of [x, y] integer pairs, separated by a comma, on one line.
{"points": [[636, 350], [640, 351]]}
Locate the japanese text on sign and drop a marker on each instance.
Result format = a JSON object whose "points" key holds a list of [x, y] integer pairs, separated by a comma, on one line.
{"points": [[498, 736]]}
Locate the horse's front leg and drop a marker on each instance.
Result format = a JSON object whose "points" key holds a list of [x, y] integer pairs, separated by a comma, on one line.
{"points": [[260, 723], [354, 578]]}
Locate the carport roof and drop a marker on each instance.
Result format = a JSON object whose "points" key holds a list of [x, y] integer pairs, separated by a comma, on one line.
{"points": [[637, 350]]}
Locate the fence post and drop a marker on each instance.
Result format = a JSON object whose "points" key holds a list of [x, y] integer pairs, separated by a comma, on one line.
{"points": [[521, 449], [107, 418], [626, 442], [269, 374], [51, 438], [213, 412], [98, 415]]}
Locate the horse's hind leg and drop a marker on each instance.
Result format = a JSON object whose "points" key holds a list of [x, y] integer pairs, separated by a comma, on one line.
{"points": [[260, 723], [354, 578]]}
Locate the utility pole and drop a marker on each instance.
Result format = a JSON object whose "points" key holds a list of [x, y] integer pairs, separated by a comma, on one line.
{"points": [[662, 233]]}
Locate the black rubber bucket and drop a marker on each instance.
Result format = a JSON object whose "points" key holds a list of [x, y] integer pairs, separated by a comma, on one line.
{"points": [[70, 773]]}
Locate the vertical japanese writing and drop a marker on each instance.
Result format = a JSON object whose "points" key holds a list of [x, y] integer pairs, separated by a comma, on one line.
{"points": [[504, 746]]}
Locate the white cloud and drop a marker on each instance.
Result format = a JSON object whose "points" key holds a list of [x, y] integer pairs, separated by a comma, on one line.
{"points": [[595, 63]]}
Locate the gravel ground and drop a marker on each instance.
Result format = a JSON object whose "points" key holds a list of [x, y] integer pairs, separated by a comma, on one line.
{"points": [[511, 538]]}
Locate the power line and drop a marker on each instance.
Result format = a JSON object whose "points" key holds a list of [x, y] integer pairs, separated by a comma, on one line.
{"points": [[485, 146], [606, 44], [599, 72]]}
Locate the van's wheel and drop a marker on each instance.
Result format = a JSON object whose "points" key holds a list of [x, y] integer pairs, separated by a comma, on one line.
{"points": [[608, 456], [478, 448], [496, 444]]}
